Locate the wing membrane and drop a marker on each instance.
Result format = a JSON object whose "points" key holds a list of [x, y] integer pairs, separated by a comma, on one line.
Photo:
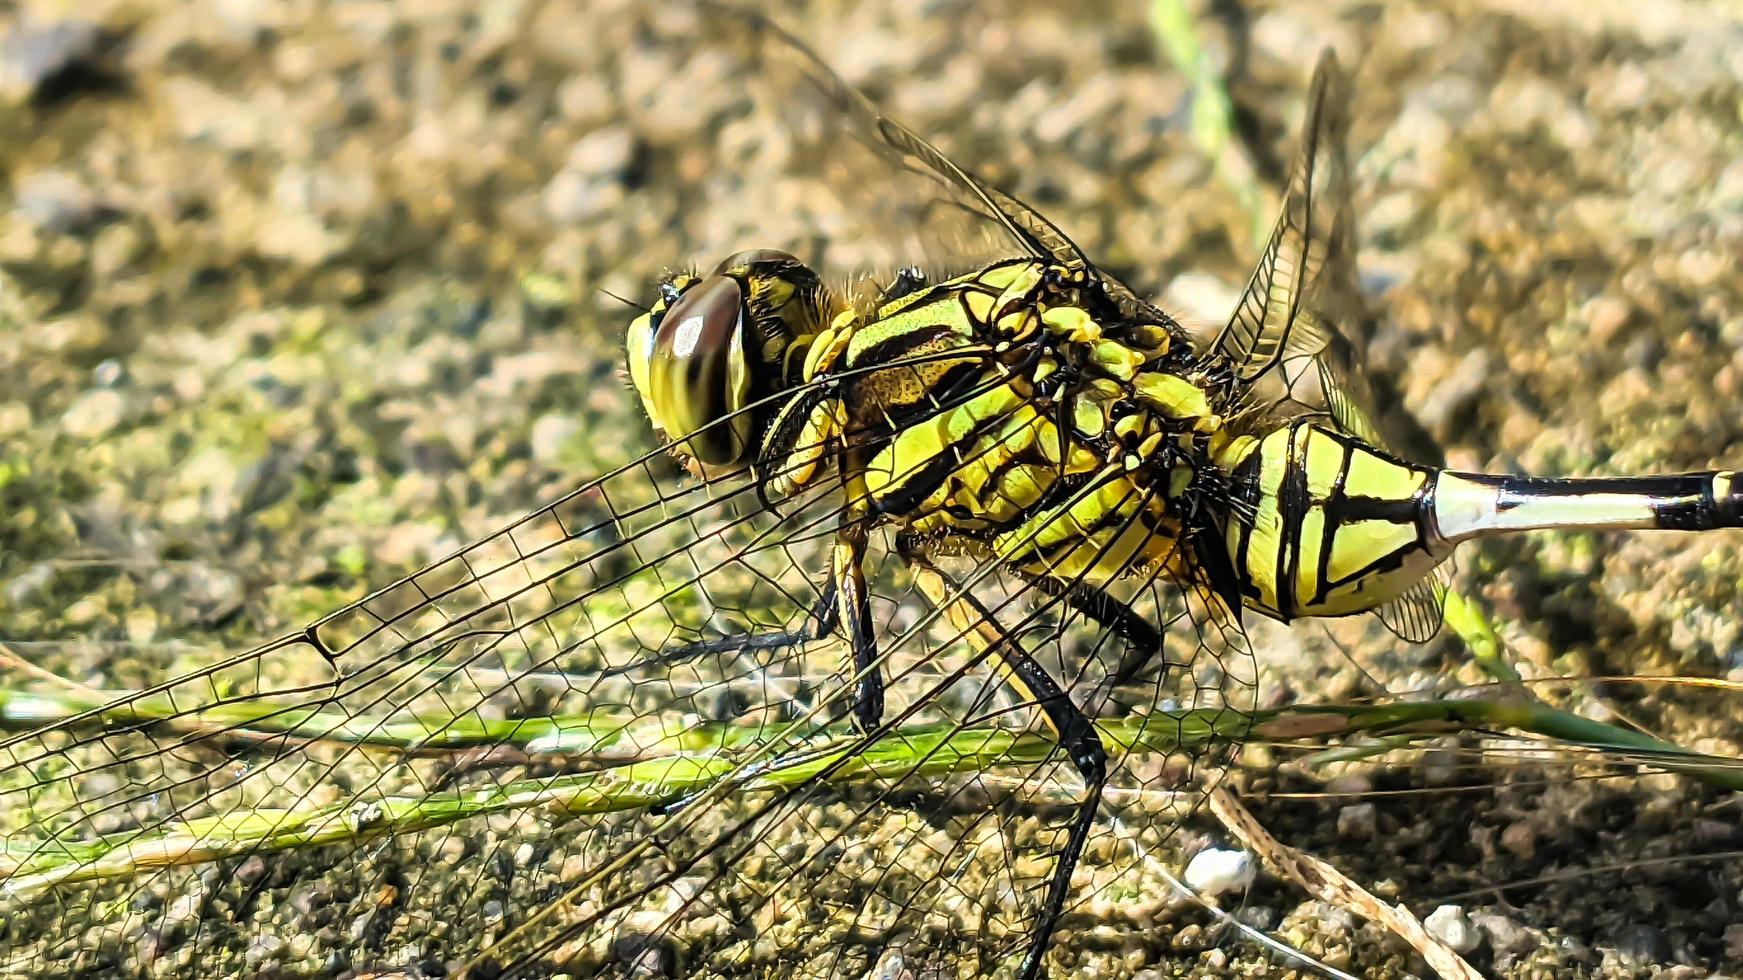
{"points": [[510, 721]]}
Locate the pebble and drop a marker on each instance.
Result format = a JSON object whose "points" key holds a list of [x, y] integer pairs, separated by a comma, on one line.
{"points": [[1215, 871], [1331, 918], [1357, 820], [211, 590], [56, 201], [890, 966], [1260, 917], [1505, 935], [21, 587], [14, 418], [1520, 839], [76, 335], [1734, 940], [96, 413], [35, 51], [589, 183], [185, 909], [551, 435], [1638, 944], [252, 870], [1450, 925]]}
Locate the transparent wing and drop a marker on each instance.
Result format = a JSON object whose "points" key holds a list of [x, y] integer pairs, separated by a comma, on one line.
{"points": [[1290, 339], [1303, 285], [872, 196], [603, 739]]}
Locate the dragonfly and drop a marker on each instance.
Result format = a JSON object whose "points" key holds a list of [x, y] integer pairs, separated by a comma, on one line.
{"points": [[930, 563]]}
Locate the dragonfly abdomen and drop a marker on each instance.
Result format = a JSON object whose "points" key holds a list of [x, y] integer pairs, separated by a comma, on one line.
{"points": [[1327, 525], [1470, 505]]}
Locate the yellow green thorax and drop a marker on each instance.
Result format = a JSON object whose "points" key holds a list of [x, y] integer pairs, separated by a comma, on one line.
{"points": [[1062, 480]]}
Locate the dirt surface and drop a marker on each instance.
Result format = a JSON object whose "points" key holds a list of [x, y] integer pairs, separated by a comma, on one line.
{"points": [[296, 298]]}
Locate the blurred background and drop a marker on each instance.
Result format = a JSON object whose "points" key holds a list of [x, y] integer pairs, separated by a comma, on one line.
{"points": [[296, 296]]}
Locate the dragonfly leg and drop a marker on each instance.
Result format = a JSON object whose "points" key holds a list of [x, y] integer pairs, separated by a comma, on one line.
{"points": [[1110, 613], [1076, 735], [853, 607]]}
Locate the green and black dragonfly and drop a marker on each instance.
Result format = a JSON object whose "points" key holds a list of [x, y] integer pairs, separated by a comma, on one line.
{"points": [[950, 554]]}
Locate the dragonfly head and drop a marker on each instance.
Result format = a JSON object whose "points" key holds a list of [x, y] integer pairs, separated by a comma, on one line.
{"points": [[712, 349]]}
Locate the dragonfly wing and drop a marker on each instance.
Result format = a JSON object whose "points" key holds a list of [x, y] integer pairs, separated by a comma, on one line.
{"points": [[1291, 333], [881, 197], [514, 722], [1305, 276]]}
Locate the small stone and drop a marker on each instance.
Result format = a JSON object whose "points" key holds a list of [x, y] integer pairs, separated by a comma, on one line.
{"points": [[114, 249], [1349, 784], [1323, 918], [590, 181], [109, 373], [14, 418], [551, 434], [451, 851], [1520, 839], [1734, 941], [263, 948], [1260, 917], [75, 335], [1199, 297], [96, 413], [890, 966], [214, 592], [1450, 925], [584, 98], [1638, 944], [1604, 316], [1710, 833], [56, 201], [252, 871], [35, 51], [1505, 935], [1215, 871], [1358, 820], [570, 197], [575, 867], [185, 909], [603, 153]]}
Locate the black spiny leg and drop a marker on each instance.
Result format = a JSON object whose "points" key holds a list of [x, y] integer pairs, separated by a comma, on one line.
{"points": [[1110, 613], [853, 607], [1077, 736]]}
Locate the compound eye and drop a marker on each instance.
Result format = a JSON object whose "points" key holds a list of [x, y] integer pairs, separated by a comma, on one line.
{"points": [[697, 373], [752, 257]]}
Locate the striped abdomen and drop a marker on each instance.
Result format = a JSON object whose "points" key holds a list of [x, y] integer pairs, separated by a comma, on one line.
{"points": [[1325, 525]]}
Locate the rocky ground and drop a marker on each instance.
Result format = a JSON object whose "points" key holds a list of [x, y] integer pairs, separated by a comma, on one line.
{"points": [[297, 297]]}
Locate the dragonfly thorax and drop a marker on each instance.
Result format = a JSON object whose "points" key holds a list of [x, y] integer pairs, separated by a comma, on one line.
{"points": [[1012, 412]]}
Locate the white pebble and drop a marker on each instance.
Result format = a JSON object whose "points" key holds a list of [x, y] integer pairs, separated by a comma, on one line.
{"points": [[1451, 926], [1215, 871]]}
